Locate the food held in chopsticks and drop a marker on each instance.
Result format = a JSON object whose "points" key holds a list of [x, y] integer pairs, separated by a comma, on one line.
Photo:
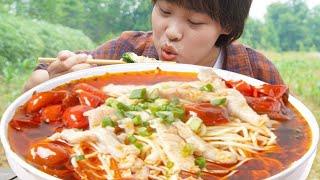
{"points": [[159, 125], [130, 57]]}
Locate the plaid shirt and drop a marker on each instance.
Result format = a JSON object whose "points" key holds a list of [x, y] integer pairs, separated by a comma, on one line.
{"points": [[238, 58]]}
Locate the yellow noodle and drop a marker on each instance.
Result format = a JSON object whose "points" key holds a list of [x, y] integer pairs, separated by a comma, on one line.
{"points": [[244, 146]]}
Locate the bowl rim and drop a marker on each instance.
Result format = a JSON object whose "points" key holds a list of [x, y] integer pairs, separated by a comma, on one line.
{"points": [[305, 112]]}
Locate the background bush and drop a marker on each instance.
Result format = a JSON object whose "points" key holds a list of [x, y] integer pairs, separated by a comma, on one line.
{"points": [[29, 39]]}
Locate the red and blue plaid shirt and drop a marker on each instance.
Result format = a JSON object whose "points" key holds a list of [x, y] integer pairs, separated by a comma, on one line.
{"points": [[238, 58]]}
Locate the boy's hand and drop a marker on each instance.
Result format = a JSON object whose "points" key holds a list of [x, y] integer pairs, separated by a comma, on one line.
{"points": [[67, 62]]}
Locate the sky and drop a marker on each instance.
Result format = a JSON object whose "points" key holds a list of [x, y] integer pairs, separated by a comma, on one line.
{"points": [[259, 7]]}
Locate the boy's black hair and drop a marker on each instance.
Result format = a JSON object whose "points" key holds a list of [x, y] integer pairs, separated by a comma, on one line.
{"points": [[231, 14]]}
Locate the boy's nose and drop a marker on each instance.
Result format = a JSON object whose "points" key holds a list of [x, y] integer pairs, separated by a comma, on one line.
{"points": [[173, 33]]}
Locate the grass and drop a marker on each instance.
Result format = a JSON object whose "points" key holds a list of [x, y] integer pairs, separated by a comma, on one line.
{"points": [[301, 71]]}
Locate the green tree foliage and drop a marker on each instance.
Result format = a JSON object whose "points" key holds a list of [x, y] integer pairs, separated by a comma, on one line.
{"points": [[26, 39], [98, 19], [287, 27], [314, 27]]}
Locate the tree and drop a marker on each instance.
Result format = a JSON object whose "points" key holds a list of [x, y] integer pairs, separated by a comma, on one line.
{"points": [[314, 27], [290, 24]]}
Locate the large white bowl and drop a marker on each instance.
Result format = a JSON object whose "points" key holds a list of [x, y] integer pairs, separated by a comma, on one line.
{"points": [[297, 170]]}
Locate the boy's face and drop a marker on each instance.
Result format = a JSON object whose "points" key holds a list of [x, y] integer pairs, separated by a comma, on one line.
{"points": [[184, 36]]}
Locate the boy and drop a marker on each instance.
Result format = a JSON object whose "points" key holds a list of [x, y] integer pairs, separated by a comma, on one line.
{"points": [[200, 32]]}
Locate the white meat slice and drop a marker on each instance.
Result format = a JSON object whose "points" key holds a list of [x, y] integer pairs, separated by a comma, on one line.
{"points": [[188, 91], [127, 125], [105, 141], [126, 100], [237, 106], [172, 144], [209, 76], [109, 144], [156, 155], [202, 147], [74, 136], [95, 116], [119, 90]]}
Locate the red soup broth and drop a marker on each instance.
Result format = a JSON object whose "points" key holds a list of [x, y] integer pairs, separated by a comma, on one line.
{"points": [[293, 136]]}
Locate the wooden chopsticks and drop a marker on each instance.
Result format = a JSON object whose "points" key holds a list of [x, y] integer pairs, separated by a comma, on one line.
{"points": [[89, 61], [94, 61]]}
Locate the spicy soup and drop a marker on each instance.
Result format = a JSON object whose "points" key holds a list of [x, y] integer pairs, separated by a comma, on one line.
{"points": [[293, 135]]}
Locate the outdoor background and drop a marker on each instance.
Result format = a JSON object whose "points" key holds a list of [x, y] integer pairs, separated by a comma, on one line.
{"points": [[289, 35]]}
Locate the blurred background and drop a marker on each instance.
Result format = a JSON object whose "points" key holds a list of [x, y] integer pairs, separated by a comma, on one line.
{"points": [[286, 31]]}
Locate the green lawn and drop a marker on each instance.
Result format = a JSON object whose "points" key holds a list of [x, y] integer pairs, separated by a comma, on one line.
{"points": [[301, 71]]}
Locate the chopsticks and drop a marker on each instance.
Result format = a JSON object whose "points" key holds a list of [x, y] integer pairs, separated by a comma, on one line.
{"points": [[89, 61], [94, 61]]}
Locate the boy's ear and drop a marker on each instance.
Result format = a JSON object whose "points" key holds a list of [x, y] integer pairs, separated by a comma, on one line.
{"points": [[225, 31]]}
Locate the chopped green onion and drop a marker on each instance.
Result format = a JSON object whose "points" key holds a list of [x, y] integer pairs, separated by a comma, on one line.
{"points": [[154, 108], [178, 112], [187, 150], [138, 145], [108, 122], [144, 105], [110, 101], [154, 94], [136, 108], [127, 58], [129, 115], [161, 102], [80, 157], [166, 116], [207, 87], [143, 131], [137, 120], [121, 106], [145, 123], [138, 94], [218, 101], [194, 123], [132, 139], [170, 164], [116, 104], [120, 113], [175, 101], [201, 162]]}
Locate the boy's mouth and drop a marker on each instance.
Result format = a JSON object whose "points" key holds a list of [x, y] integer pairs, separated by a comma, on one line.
{"points": [[168, 53]]}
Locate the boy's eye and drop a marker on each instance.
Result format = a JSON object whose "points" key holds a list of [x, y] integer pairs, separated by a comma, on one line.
{"points": [[165, 11], [195, 23]]}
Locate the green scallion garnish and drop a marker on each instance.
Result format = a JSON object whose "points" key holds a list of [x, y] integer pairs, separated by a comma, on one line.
{"points": [[107, 122], [132, 139], [201, 162], [80, 157], [170, 164], [138, 145], [137, 120], [207, 88], [187, 150], [218, 101], [143, 131], [138, 94], [127, 58]]}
